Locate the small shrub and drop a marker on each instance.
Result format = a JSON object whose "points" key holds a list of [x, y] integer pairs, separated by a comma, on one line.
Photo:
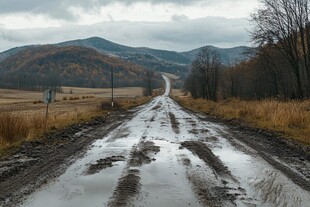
{"points": [[37, 102], [73, 98], [106, 105]]}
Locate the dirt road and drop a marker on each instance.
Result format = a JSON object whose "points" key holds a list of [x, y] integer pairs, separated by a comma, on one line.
{"points": [[166, 156]]}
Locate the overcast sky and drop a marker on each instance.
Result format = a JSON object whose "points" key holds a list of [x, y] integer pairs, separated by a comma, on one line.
{"points": [[178, 25]]}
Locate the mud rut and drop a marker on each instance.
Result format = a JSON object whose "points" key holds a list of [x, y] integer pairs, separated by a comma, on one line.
{"points": [[165, 156]]}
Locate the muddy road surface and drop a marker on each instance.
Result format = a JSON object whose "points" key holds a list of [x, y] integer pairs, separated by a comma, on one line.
{"points": [[164, 155]]}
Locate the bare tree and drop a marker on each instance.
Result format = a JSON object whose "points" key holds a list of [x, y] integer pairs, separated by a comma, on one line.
{"points": [[285, 24], [203, 80]]}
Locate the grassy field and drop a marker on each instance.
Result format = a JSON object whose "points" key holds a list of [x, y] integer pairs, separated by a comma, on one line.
{"points": [[291, 119], [17, 96], [22, 113]]}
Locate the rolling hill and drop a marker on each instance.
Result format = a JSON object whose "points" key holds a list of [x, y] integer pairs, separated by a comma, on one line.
{"points": [[69, 66]]}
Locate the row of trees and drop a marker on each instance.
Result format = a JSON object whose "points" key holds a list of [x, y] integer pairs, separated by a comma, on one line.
{"points": [[279, 67], [36, 82], [203, 80], [31, 82]]}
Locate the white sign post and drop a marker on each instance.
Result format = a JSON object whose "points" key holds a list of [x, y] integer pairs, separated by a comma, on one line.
{"points": [[48, 98]]}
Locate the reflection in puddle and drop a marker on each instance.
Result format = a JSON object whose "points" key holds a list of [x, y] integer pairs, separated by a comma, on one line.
{"points": [[264, 185]]}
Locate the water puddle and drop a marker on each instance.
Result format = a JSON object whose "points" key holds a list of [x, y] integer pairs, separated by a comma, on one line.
{"points": [[264, 185], [164, 182]]}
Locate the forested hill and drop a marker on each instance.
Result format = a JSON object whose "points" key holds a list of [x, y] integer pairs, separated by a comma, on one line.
{"points": [[69, 66]]}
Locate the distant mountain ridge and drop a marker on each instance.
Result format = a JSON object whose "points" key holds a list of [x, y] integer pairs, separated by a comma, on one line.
{"points": [[109, 47], [146, 56]]}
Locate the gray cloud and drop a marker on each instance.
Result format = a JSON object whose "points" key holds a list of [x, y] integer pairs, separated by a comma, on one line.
{"points": [[179, 34], [59, 9], [12, 6]]}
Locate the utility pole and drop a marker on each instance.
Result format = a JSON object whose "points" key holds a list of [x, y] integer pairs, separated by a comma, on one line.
{"points": [[112, 85]]}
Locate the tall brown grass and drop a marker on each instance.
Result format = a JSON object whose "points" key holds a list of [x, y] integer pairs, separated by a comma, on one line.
{"points": [[21, 126], [17, 128], [292, 119]]}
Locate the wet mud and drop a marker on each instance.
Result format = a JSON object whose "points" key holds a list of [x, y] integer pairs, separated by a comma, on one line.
{"points": [[141, 154], [211, 196], [156, 107], [103, 164], [174, 123], [127, 188], [209, 189], [289, 157], [204, 153], [37, 162]]}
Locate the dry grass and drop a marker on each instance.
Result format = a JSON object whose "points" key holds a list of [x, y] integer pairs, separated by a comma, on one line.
{"points": [[292, 119], [103, 92], [22, 118], [8, 96], [15, 128], [127, 103]]}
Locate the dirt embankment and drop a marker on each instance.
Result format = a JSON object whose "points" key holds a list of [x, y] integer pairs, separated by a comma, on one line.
{"points": [[34, 163]]}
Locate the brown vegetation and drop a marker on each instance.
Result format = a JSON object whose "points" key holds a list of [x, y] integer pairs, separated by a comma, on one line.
{"points": [[22, 119], [292, 119], [42, 67]]}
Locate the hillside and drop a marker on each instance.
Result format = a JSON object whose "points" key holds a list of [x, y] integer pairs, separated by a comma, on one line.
{"points": [[8, 53], [68, 66]]}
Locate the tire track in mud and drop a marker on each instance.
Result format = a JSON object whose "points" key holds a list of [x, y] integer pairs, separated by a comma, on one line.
{"points": [[174, 123], [204, 153], [103, 164], [207, 191], [128, 185], [289, 157]]}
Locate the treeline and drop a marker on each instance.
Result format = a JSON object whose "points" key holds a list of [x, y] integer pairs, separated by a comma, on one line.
{"points": [[279, 67], [30, 82], [50, 66]]}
